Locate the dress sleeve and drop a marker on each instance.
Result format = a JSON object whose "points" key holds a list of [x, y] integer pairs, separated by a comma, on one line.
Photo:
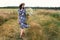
{"points": [[22, 12], [19, 12]]}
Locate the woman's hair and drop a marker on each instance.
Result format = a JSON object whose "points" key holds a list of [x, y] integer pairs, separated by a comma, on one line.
{"points": [[20, 6]]}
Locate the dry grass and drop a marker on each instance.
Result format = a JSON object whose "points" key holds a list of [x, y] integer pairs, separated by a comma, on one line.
{"points": [[44, 25]]}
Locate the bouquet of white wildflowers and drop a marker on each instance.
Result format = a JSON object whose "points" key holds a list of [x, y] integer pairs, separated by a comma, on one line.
{"points": [[29, 11]]}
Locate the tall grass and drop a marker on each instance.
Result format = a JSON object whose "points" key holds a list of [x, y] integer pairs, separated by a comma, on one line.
{"points": [[44, 25]]}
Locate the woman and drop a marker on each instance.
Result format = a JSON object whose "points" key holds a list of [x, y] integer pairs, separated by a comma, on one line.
{"points": [[22, 19]]}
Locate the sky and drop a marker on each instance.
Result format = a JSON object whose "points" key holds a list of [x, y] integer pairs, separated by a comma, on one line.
{"points": [[31, 3]]}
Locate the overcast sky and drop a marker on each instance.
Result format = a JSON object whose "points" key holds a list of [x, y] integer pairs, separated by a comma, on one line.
{"points": [[33, 3]]}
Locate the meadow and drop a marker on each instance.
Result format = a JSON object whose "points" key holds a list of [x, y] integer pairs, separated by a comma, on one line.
{"points": [[44, 24]]}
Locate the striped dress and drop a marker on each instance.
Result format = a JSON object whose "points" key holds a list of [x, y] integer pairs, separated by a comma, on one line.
{"points": [[22, 18]]}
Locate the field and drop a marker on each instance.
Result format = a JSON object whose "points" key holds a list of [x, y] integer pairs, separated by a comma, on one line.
{"points": [[44, 24]]}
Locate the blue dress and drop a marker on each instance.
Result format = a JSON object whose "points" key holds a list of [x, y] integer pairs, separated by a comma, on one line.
{"points": [[22, 18]]}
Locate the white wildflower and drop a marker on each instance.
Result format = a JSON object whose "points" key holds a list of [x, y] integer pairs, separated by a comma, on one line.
{"points": [[29, 11]]}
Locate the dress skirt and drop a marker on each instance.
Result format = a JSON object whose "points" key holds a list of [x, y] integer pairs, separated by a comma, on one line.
{"points": [[23, 23]]}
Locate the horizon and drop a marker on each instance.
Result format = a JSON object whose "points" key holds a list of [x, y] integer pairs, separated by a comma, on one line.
{"points": [[17, 6]]}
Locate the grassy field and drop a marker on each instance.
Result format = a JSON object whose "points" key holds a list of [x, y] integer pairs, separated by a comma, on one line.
{"points": [[44, 25]]}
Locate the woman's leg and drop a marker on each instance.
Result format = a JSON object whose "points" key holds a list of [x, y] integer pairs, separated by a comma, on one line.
{"points": [[22, 32]]}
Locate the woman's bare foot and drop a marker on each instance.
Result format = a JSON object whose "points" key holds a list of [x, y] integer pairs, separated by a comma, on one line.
{"points": [[23, 34]]}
